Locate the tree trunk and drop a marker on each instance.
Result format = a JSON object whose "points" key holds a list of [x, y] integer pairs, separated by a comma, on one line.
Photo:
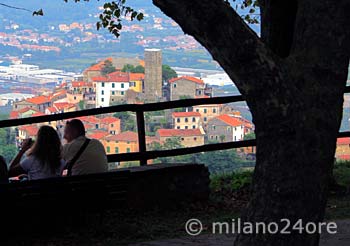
{"points": [[294, 163], [293, 81]]}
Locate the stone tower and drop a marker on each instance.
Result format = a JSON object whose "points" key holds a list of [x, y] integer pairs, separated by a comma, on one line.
{"points": [[153, 75]]}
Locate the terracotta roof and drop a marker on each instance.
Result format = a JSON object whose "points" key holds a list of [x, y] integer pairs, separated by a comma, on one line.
{"points": [[179, 132], [14, 115], [99, 66], [90, 119], [59, 93], [343, 157], [232, 121], [63, 105], [31, 130], [89, 126], [190, 78], [38, 100], [37, 114], [124, 136], [97, 134], [113, 77], [52, 109], [136, 76], [151, 139], [109, 120], [100, 79], [343, 141], [186, 114]]}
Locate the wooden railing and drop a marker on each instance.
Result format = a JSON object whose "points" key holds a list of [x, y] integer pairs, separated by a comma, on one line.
{"points": [[143, 155]]}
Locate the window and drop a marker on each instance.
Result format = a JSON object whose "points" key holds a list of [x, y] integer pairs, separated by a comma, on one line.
{"points": [[174, 85], [178, 127], [122, 93], [193, 127], [205, 110], [186, 119], [103, 84], [102, 92], [186, 127], [127, 150], [216, 137], [128, 142], [178, 120], [205, 118], [214, 110], [182, 139], [75, 98], [228, 129], [113, 92], [112, 125], [211, 137], [197, 110], [102, 99], [199, 92], [96, 126], [113, 85], [116, 150], [122, 85], [108, 149], [195, 139], [213, 127], [193, 119], [235, 138]]}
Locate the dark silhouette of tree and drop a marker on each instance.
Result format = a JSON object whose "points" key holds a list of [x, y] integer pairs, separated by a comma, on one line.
{"points": [[107, 68], [132, 69], [293, 79], [168, 73]]}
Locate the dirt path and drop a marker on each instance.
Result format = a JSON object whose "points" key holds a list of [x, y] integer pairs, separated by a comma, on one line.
{"points": [[342, 238]]}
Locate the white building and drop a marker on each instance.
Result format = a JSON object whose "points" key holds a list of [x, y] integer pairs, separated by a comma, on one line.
{"points": [[111, 88], [10, 98]]}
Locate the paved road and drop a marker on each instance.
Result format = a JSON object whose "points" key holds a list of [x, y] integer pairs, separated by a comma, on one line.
{"points": [[342, 238]]}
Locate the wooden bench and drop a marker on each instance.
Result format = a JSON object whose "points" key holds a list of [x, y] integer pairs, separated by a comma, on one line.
{"points": [[92, 191], [56, 203]]}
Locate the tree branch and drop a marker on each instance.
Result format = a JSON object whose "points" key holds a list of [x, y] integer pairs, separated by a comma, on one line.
{"points": [[13, 7], [322, 40], [248, 62]]}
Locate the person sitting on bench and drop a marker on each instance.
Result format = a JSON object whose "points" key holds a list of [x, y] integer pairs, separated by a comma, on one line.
{"points": [[3, 171], [82, 155], [43, 158]]}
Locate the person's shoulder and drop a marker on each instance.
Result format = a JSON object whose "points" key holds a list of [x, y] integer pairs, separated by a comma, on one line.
{"points": [[95, 142]]}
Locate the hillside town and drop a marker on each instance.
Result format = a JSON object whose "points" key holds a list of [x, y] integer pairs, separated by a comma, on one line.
{"points": [[106, 83]]}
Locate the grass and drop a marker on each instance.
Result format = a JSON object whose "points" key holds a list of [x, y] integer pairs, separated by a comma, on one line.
{"points": [[341, 173], [338, 207]]}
